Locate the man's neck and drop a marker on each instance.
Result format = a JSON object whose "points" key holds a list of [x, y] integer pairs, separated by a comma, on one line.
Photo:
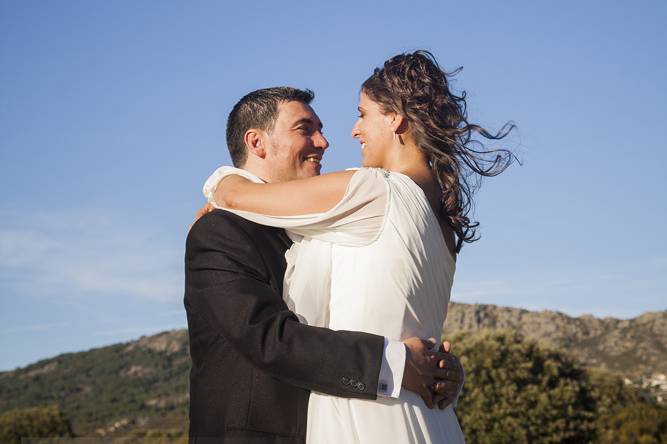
{"points": [[256, 171]]}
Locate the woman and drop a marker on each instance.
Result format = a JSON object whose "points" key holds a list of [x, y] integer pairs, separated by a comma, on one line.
{"points": [[375, 249]]}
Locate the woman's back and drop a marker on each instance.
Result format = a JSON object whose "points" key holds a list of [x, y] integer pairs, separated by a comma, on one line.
{"points": [[399, 285]]}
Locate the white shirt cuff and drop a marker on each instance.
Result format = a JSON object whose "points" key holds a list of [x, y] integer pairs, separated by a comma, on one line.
{"points": [[391, 370]]}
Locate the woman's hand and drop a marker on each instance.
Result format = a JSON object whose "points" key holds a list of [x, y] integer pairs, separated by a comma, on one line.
{"points": [[207, 208], [224, 195]]}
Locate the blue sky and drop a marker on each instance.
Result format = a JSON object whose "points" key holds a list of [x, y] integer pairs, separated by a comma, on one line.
{"points": [[112, 115]]}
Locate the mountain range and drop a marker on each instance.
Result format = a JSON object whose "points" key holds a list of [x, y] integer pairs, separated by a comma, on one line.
{"points": [[143, 384]]}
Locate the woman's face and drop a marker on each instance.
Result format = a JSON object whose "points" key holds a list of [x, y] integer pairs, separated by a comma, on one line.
{"points": [[374, 131]]}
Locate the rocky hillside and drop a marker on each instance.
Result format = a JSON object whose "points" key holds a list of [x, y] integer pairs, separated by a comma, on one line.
{"points": [[636, 348], [142, 384]]}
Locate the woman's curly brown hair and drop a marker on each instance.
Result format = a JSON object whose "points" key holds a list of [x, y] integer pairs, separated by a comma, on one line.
{"points": [[414, 86]]}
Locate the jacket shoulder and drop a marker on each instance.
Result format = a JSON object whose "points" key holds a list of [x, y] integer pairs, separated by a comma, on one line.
{"points": [[221, 223], [223, 239]]}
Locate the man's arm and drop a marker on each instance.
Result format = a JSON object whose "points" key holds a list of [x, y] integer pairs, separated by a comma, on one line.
{"points": [[228, 285]]}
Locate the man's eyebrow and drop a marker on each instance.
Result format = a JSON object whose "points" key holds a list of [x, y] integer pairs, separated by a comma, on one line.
{"points": [[308, 121]]}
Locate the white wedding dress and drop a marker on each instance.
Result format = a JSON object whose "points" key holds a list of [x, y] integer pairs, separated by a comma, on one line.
{"points": [[377, 262]]}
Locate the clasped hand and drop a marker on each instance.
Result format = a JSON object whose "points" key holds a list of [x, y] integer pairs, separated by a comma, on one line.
{"points": [[437, 376]]}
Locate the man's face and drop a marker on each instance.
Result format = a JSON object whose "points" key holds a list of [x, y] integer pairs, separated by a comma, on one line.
{"points": [[295, 147]]}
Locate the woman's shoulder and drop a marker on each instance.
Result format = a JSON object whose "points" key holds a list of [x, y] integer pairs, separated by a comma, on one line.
{"points": [[368, 182], [369, 170], [367, 177]]}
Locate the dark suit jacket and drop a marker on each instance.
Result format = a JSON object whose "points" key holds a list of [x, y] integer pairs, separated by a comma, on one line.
{"points": [[253, 363]]}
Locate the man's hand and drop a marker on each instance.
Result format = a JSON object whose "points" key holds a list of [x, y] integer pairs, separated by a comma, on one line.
{"points": [[436, 376]]}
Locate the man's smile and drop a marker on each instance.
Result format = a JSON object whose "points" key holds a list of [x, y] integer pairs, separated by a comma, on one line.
{"points": [[313, 158]]}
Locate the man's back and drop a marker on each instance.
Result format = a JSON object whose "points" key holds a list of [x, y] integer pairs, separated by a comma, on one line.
{"points": [[253, 363], [228, 395]]}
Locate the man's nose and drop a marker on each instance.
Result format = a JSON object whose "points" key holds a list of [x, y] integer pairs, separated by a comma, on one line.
{"points": [[321, 141]]}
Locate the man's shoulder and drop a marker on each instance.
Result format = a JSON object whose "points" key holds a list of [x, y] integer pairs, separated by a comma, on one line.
{"points": [[221, 223], [227, 226], [223, 237], [221, 218]]}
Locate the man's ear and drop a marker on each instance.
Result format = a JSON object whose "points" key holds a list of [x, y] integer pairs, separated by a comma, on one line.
{"points": [[254, 142]]}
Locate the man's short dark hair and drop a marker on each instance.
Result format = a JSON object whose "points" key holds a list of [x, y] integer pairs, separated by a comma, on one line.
{"points": [[258, 109]]}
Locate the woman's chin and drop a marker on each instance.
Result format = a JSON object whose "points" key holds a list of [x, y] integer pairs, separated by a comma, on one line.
{"points": [[368, 162]]}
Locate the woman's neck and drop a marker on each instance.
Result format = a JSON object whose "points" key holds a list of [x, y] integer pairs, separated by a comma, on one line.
{"points": [[408, 159]]}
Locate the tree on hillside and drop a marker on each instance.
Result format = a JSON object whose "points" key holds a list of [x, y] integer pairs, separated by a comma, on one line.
{"points": [[518, 391], [37, 422]]}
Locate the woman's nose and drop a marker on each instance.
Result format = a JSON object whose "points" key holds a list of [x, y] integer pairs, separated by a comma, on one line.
{"points": [[355, 130]]}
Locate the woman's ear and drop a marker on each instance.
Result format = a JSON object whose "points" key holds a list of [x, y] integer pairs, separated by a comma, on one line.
{"points": [[397, 122], [400, 124], [254, 142]]}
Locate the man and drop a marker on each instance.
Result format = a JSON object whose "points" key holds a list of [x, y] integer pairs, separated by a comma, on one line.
{"points": [[253, 363]]}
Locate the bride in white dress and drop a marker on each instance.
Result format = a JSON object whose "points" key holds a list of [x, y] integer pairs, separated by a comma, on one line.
{"points": [[375, 248]]}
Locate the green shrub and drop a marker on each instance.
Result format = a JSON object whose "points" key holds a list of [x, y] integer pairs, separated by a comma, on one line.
{"points": [[518, 392], [638, 423], [37, 422]]}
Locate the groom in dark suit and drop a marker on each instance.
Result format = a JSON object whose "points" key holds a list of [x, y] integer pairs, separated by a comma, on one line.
{"points": [[253, 362]]}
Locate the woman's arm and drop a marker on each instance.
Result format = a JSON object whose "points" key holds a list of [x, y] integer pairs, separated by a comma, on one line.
{"points": [[292, 198]]}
